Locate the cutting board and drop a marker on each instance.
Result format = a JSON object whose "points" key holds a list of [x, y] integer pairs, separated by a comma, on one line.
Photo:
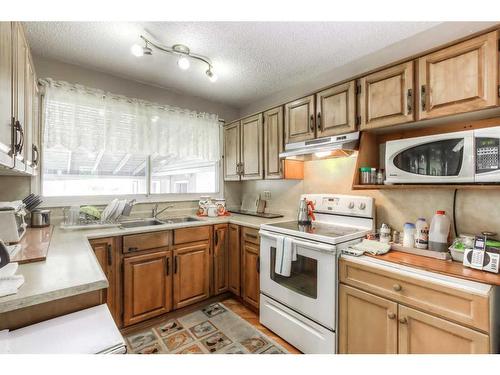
{"points": [[34, 245]]}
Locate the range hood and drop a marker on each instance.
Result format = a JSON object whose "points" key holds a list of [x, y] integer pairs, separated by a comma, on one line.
{"points": [[336, 146]]}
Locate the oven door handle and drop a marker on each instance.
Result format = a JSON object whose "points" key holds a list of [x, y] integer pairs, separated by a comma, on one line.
{"points": [[305, 243]]}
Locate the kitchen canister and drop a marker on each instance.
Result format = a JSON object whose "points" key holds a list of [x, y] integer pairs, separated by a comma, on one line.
{"points": [[385, 233]]}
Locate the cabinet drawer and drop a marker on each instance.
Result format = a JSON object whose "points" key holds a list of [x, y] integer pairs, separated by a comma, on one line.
{"points": [[250, 235], [145, 241], [193, 234], [450, 303]]}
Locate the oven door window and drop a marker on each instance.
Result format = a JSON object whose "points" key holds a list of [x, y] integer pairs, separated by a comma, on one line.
{"points": [[440, 158], [303, 277]]}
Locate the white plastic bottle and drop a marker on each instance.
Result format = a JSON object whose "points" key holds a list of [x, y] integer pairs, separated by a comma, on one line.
{"points": [[439, 232], [421, 234]]}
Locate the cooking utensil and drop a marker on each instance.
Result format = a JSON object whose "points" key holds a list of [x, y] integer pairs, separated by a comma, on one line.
{"points": [[40, 218]]}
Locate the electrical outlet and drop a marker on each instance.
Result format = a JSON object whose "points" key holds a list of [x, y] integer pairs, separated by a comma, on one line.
{"points": [[267, 195]]}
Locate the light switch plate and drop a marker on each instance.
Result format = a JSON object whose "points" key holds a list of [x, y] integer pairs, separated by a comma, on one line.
{"points": [[267, 195]]}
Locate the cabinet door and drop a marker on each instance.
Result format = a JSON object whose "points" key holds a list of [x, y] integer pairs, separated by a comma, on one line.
{"points": [[251, 270], [367, 324], [232, 152], [6, 45], [299, 120], [421, 333], [191, 273], [29, 94], [104, 250], [20, 65], [387, 97], [147, 286], [460, 78], [234, 259], [273, 143], [252, 165], [221, 260], [336, 110]]}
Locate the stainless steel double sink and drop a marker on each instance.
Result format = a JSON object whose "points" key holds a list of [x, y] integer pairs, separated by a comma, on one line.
{"points": [[152, 221]]}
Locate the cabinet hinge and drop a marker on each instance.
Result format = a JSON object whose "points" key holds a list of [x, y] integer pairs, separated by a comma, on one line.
{"points": [[357, 91]]}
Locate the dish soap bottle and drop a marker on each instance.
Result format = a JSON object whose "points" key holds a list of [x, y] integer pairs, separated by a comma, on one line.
{"points": [[422, 234], [439, 232]]}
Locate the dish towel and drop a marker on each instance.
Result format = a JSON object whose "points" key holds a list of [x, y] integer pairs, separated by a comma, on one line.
{"points": [[9, 282], [284, 257]]}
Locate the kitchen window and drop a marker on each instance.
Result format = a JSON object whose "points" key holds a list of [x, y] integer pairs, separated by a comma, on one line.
{"points": [[101, 144]]}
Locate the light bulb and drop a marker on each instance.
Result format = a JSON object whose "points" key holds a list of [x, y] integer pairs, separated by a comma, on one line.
{"points": [[211, 75], [137, 50], [183, 63]]}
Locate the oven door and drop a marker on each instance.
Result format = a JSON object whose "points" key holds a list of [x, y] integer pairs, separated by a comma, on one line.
{"points": [[444, 158], [311, 287], [487, 146]]}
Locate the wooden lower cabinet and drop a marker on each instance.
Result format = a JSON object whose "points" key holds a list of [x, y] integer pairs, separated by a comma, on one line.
{"points": [[421, 333], [147, 284], [220, 259], [367, 324], [105, 252], [250, 273], [234, 258], [191, 273]]}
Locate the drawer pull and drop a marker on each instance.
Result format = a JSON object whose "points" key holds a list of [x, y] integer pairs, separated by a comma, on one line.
{"points": [[132, 249], [403, 320], [391, 315], [397, 287]]}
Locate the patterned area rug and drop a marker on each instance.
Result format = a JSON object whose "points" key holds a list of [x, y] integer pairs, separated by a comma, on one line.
{"points": [[213, 330]]}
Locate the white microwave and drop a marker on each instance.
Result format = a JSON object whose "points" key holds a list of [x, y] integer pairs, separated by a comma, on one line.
{"points": [[460, 157]]}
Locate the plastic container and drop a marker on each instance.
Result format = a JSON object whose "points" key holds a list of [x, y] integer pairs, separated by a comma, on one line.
{"points": [[385, 233], [421, 234], [365, 175], [380, 177], [439, 232], [409, 235], [373, 176]]}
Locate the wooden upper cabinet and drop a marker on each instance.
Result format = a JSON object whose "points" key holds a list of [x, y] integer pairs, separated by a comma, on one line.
{"points": [[273, 143], [147, 283], [421, 333], [367, 324], [387, 97], [191, 273], [28, 112], [6, 47], [232, 152], [20, 74], [252, 164], [336, 110], [234, 259], [300, 122], [221, 259], [460, 78]]}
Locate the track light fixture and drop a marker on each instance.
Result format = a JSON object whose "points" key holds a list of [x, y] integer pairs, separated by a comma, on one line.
{"points": [[183, 52]]}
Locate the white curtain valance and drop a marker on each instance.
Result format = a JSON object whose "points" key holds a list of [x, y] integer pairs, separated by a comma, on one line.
{"points": [[79, 118]]}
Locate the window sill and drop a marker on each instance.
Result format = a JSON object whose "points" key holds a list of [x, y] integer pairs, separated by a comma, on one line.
{"points": [[140, 198]]}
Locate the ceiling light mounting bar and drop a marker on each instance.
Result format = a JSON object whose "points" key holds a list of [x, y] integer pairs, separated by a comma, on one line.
{"points": [[178, 49]]}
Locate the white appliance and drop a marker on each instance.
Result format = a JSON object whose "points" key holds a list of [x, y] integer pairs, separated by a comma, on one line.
{"points": [[12, 221], [347, 141], [302, 308], [89, 331], [460, 157]]}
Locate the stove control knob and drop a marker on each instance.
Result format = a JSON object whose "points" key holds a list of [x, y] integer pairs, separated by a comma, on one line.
{"points": [[362, 206], [351, 205]]}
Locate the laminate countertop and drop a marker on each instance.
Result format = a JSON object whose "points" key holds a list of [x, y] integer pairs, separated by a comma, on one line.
{"points": [[71, 267]]}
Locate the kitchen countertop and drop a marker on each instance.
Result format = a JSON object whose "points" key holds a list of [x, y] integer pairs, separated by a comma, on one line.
{"points": [[71, 267]]}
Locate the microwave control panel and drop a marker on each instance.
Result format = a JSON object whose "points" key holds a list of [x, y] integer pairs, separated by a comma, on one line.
{"points": [[487, 154]]}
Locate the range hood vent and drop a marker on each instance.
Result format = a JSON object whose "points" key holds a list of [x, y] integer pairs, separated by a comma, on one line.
{"points": [[336, 146]]}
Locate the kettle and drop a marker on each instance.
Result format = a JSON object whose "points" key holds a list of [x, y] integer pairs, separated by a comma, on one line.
{"points": [[305, 213]]}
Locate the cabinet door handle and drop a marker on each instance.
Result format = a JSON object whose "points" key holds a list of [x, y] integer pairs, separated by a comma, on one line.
{"points": [[34, 155], [258, 264], [311, 122], [320, 125], [167, 266], [110, 255], [397, 287], [391, 315], [422, 97], [18, 147], [409, 101], [403, 320], [216, 237], [175, 264]]}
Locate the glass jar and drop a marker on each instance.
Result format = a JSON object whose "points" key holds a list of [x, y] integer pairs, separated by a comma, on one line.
{"points": [[365, 173], [380, 177]]}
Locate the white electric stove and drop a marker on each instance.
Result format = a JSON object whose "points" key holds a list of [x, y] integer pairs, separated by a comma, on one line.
{"points": [[302, 307]]}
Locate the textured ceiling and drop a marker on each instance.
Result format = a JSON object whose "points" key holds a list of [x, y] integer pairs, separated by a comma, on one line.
{"points": [[252, 59]]}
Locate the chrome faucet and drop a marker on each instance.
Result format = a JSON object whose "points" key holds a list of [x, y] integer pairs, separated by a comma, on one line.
{"points": [[155, 212]]}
